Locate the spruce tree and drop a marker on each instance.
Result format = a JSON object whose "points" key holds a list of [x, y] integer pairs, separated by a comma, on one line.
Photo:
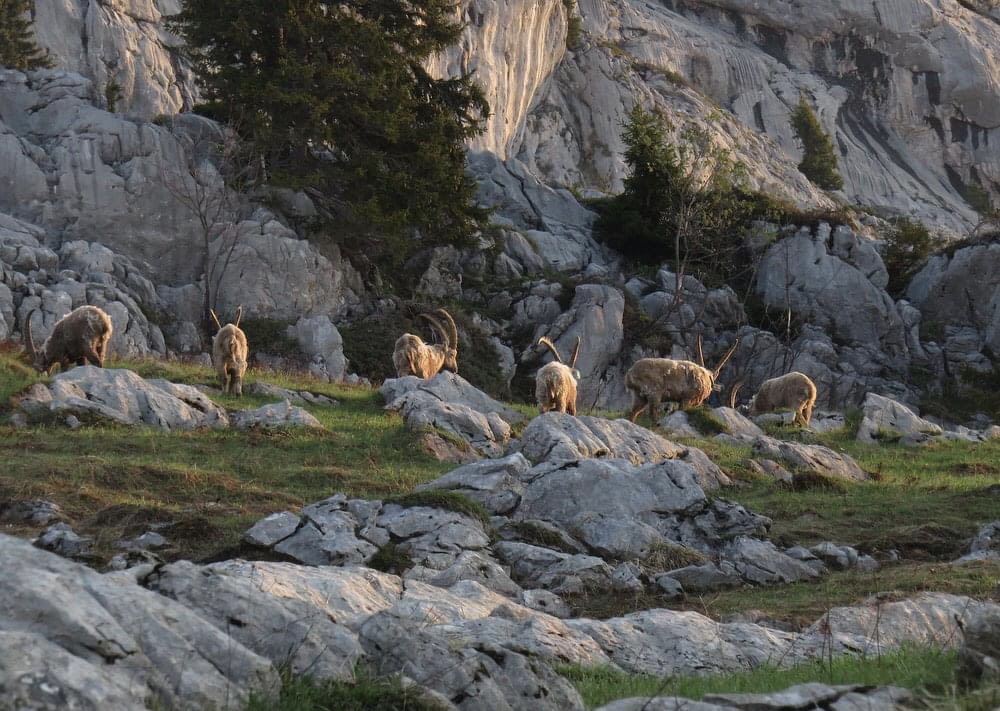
{"points": [[819, 161], [17, 41], [334, 99]]}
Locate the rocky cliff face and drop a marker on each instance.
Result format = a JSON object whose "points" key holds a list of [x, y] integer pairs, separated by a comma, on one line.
{"points": [[910, 90], [123, 48]]}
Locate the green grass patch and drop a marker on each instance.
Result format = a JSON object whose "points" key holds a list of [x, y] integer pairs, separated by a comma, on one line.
{"points": [[448, 500], [801, 604], [365, 694], [536, 535], [705, 421], [929, 671], [391, 559]]}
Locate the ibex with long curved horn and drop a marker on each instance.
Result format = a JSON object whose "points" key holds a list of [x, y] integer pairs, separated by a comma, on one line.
{"points": [[555, 382], [80, 337], [688, 384], [230, 352], [412, 356]]}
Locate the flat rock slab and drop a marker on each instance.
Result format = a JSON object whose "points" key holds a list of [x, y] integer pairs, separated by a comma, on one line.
{"points": [[449, 387], [122, 396], [280, 415], [884, 416], [558, 437], [107, 638], [812, 458]]}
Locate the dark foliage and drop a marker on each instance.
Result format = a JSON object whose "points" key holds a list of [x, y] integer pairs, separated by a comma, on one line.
{"points": [[819, 160], [18, 49], [335, 100], [908, 245]]}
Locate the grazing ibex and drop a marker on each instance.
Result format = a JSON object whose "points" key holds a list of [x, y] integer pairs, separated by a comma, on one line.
{"points": [[793, 391], [655, 380], [555, 382], [230, 352], [80, 337], [412, 356]]}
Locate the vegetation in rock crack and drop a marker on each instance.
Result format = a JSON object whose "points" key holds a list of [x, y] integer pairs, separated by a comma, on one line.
{"points": [[390, 558], [819, 159], [448, 500], [929, 672], [704, 420], [367, 693], [335, 100], [908, 244], [537, 535], [18, 48]]}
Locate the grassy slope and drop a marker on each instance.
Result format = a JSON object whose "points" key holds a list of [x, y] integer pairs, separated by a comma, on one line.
{"points": [[114, 481]]}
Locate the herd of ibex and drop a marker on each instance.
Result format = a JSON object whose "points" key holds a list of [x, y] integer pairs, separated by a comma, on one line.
{"points": [[82, 336]]}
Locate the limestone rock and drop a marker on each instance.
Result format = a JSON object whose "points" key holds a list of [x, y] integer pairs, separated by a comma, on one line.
{"points": [[136, 645], [277, 416], [556, 437], [449, 404], [320, 341], [886, 417], [561, 492], [985, 544], [124, 397], [812, 458], [979, 655], [804, 273], [495, 483], [558, 572], [494, 678]]}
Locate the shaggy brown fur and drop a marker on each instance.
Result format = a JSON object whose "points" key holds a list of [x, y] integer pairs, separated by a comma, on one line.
{"points": [[793, 391], [230, 353], [412, 356], [683, 382], [555, 382], [80, 337]]}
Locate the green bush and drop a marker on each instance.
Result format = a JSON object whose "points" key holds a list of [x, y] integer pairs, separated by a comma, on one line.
{"points": [[908, 245], [268, 335], [574, 25], [819, 160], [686, 203]]}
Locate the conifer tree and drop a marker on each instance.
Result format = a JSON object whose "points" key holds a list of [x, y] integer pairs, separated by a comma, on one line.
{"points": [[335, 100], [819, 161], [18, 49]]}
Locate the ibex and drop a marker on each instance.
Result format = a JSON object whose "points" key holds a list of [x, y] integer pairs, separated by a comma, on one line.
{"points": [[80, 337], [555, 382], [793, 391], [230, 352], [655, 380], [412, 356]]}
